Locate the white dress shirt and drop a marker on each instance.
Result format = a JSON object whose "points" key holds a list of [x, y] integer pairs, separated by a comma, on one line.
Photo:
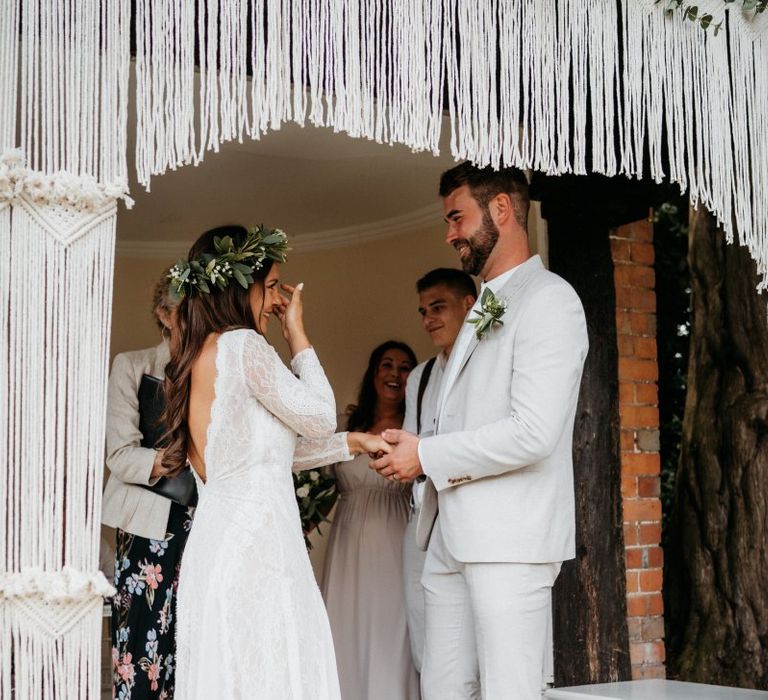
{"points": [[428, 407]]}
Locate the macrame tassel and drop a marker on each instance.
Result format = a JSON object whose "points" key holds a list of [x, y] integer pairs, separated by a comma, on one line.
{"points": [[60, 668]]}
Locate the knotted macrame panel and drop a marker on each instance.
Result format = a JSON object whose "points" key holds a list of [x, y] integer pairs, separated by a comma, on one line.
{"points": [[63, 108], [56, 263]]}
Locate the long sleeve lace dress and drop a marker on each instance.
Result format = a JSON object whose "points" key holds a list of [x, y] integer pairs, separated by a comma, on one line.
{"points": [[251, 621]]}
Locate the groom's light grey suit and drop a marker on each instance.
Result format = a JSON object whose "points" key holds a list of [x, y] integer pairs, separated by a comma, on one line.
{"points": [[500, 466]]}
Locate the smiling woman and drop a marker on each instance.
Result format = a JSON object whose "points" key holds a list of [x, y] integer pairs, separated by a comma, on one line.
{"points": [[363, 578]]}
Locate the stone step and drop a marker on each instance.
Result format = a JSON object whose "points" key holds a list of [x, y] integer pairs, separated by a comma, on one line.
{"points": [[653, 689]]}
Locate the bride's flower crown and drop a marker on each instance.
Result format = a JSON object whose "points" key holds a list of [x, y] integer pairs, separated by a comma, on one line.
{"points": [[230, 262]]}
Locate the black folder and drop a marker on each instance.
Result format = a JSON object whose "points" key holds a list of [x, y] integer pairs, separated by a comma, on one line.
{"points": [[180, 488]]}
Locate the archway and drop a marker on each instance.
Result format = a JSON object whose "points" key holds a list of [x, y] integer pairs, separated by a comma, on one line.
{"points": [[374, 70]]}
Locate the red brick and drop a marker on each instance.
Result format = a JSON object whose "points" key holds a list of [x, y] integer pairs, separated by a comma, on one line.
{"points": [[648, 487], [644, 604], [642, 510], [632, 534], [635, 629], [651, 580], [626, 393], [645, 347], [652, 628], [646, 463], [637, 653], [655, 557], [642, 323], [634, 276], [633, 581], [627, 440], [637, 604], [635, 322], [629, 487], [620, 250], [639, 416], [633, 557], [646, 653], [635, 298], [646, 393], [641, 253], [649, 533], [641, 230], [641, 673], [626, 344], [655, 604], [633, 370]]}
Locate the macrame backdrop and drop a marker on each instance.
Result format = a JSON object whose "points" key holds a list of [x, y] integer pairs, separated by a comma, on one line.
{"points": [[63, 102], [560, 86]]}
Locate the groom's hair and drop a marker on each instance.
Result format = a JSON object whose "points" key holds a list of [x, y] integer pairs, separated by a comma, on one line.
{"points": [[486, 183], [458, 281]]}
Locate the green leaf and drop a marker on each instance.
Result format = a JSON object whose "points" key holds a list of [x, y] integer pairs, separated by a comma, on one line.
{"points": [[240, 278]]}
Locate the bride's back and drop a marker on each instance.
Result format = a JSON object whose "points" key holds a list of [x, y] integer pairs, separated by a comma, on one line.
{"points": [[201, 396]]}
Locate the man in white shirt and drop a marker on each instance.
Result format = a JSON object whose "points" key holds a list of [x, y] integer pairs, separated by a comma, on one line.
{"points": [[445, 297], [500, 463]]}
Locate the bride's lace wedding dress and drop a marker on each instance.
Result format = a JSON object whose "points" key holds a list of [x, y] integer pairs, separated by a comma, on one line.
{"points": [[251, 622]]}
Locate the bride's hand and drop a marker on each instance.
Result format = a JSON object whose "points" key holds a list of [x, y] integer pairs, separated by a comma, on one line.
{"points": [[360, 443], [291, 315]]}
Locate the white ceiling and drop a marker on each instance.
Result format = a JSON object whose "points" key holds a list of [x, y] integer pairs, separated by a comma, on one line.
{"points": [[315, 184]]}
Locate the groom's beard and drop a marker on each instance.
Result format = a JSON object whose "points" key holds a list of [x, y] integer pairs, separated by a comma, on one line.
{"points": [[480, 246]]}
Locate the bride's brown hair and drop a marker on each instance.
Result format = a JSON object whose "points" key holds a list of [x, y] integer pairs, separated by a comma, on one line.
{"points": [[198, 315]]}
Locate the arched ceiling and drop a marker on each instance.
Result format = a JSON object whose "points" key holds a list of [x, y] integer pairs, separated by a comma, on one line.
{"points": [[323, 188]]}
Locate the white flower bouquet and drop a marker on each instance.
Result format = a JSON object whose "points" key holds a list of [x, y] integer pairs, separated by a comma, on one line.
{"points": [[315, 495]]}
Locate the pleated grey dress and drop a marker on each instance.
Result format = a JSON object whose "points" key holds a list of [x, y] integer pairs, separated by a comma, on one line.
{"points": [[363, 585]]}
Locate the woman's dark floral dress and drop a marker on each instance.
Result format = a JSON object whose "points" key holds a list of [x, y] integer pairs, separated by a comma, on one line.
{"points": [[144, 610]]}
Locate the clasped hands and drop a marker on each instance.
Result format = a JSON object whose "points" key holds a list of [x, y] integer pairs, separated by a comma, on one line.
{"points": [[398, 456]]}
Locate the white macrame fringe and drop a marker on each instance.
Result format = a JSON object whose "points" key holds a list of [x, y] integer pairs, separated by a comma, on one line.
{"points": [[73, 59], [558, 86], [45, 668]]}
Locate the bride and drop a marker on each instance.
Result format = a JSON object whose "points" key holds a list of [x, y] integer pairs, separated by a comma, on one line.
{"points": [[251, 622]]}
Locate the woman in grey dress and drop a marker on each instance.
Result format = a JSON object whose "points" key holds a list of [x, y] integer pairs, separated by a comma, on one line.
{"points": [[363, 577]]}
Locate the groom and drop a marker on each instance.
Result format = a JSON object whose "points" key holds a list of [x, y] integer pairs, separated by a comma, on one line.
{"points": [[500, 461]]}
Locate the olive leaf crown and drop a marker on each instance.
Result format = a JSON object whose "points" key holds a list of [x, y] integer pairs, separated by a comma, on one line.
{"points": [[231, 262]]}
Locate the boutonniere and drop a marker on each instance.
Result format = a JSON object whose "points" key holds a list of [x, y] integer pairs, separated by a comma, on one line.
{"points": [[489, 314]]}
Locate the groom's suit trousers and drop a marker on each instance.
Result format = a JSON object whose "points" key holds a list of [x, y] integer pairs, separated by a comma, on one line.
{"points": [[486, 627]]}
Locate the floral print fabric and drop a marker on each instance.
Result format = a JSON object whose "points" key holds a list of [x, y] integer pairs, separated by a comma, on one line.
{"points": [[144, 610]]}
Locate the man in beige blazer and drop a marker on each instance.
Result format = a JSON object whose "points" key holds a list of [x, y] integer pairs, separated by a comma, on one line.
{"points": [[500, 462]]}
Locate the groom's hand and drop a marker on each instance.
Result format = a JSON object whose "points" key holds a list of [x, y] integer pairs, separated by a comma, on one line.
{"points": [[402, 464]]}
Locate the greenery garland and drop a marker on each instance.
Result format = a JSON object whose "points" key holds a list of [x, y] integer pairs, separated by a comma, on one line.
{"points": [[692, 13], [230, 262]]}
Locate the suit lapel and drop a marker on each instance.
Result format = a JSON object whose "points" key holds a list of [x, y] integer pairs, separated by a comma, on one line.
{"points": [[510, 290]]}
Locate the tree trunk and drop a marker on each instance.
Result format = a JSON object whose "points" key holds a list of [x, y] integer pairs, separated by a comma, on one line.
{"points": [[717, 568], [590, 625]]}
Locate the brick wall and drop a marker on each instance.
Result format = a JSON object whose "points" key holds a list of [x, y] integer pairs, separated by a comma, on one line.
{"points": [[632, 250]]}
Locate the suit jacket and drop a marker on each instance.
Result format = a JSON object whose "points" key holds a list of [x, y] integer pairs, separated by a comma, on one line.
{"points": [[501, 461], [125, 505]]}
